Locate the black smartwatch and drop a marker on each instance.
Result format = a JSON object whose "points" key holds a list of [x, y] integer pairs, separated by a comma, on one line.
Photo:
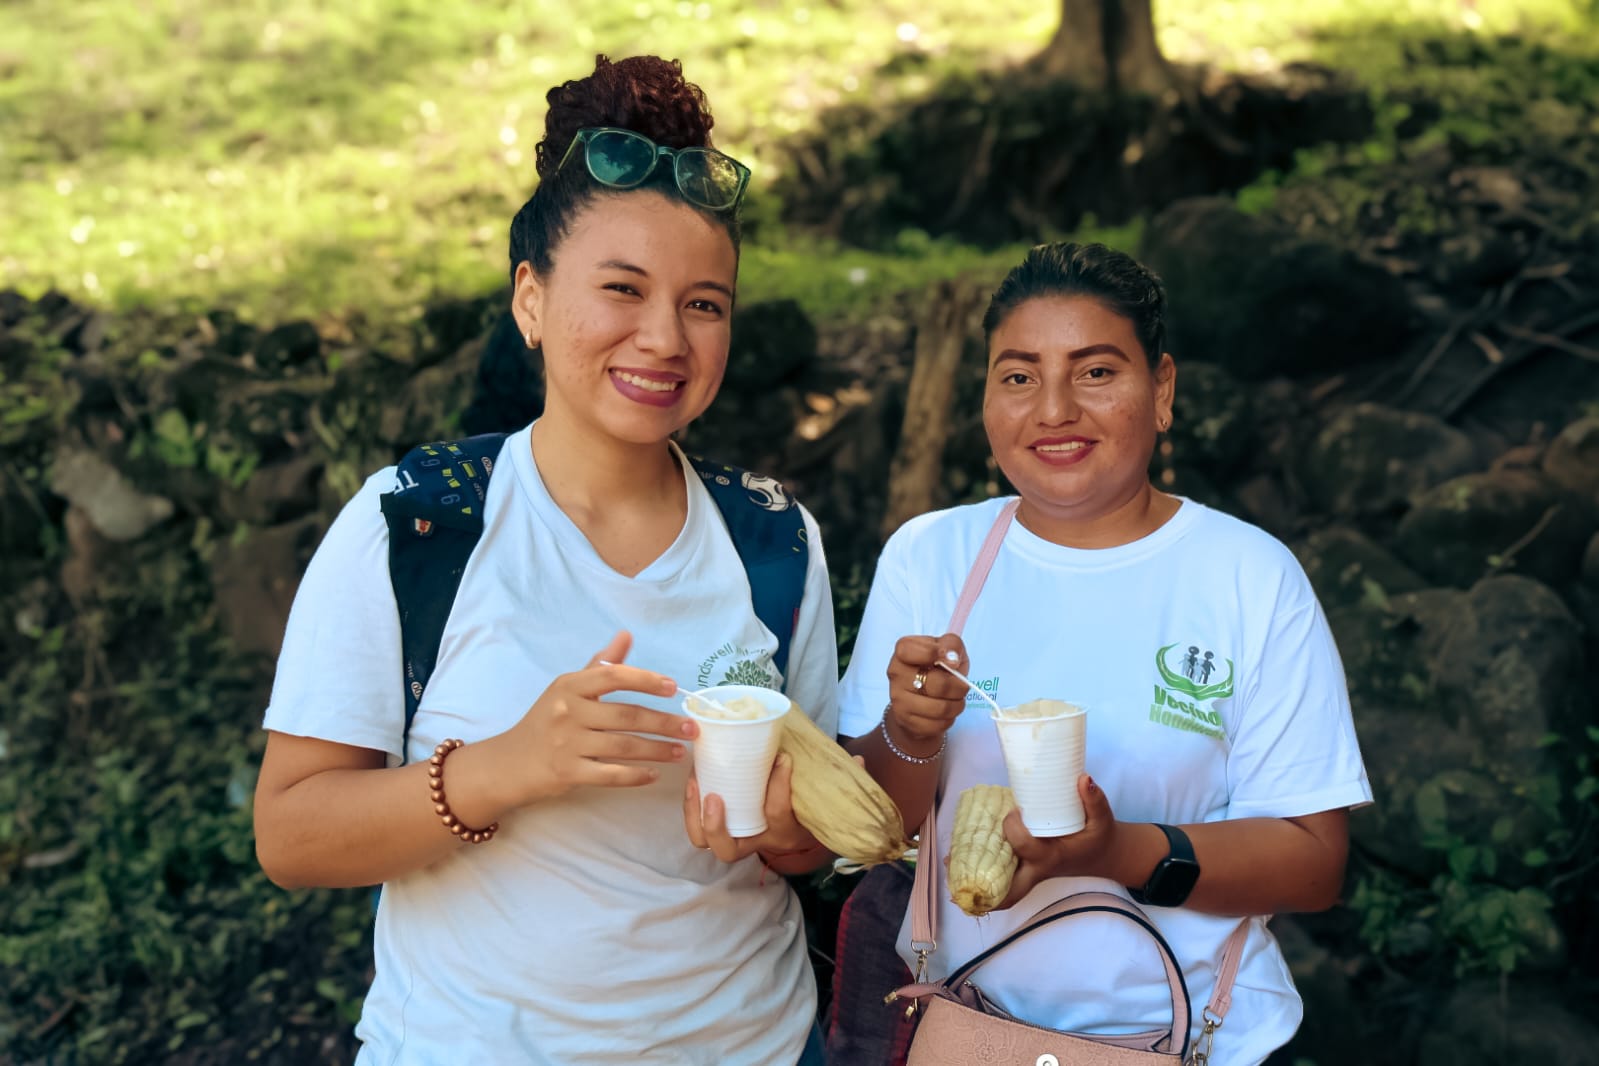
{"points": [[1174, 876]]}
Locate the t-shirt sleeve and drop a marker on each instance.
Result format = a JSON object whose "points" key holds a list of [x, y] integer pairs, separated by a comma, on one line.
{"points": [[1294, 750], [812, 680], [340, 673], [888, 616]]}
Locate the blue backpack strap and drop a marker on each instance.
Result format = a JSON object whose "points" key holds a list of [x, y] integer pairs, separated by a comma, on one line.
{"points": [[435, 519], [768, 531]]}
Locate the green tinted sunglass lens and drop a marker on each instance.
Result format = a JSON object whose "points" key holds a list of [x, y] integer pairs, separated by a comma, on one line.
{"points": [[619, 158], [707, 177]]}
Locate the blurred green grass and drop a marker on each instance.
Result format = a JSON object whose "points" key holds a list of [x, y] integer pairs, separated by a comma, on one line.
{"points": [[306, 158]]}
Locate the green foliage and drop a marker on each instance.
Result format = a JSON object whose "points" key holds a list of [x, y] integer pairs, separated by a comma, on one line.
{"points": [[352, 161], [138, 925], [295, 158], [1530, 97], [34, 394], [832, 281], [173, 442], [1472, 913], [1479, 926], [849, 603]]}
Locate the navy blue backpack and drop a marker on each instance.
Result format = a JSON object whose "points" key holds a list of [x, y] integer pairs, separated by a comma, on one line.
{"points": [[435, 519]]}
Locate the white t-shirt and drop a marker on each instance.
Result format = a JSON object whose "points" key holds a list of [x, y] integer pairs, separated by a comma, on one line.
{"points": [[1214, 691], [590, 930]]}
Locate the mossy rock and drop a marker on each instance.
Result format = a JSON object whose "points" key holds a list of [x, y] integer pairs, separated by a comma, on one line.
{"points": [[1572, 460], [1370, 459], [1214, 419], [1510, 660], [288, 348], [1347, 568], [1380, 644], [1447, 683], [1516, 521], [1488, 1022], [1262, 301]]}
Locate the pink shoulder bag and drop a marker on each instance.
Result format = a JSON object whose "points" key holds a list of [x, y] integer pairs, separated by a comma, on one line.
{"points": [[961, 1026]]}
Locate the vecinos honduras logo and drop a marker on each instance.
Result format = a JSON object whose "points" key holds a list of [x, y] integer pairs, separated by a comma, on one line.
{"points": [[1190, 689]]}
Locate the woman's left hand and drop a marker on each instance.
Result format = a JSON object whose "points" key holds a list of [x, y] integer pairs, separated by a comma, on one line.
{"points": [[707, 823], [1085, 853]]}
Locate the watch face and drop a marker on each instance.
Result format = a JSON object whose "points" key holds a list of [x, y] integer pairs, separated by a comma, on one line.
{"points": [[1171, 882]]}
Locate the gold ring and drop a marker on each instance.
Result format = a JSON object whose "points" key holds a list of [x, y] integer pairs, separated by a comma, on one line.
{"points": [[919, 682]]}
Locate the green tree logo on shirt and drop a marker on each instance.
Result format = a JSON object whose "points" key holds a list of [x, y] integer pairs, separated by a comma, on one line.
{"points": [[748, 672], [734, 664]]}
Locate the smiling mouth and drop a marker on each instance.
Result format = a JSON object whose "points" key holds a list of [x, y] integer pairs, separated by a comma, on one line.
{"points": [[1057, 449], [647, 384]]}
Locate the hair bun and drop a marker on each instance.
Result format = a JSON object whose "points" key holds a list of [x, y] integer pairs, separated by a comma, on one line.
{"points": [[646, 94]]}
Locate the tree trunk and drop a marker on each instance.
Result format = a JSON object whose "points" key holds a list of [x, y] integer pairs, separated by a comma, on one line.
{"points": [[916, 477], [1137, 63], [1077, 52], [1108, 45]]}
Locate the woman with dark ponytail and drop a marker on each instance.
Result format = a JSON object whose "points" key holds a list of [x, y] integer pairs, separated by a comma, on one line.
{"points": [[555, 889], [1221, 756]]}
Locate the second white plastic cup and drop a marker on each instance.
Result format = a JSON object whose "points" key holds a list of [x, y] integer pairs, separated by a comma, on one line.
{"points": [[733, 757], [1044, 754]]}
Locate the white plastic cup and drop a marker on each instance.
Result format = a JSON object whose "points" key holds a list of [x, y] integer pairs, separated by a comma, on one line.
{"points": [[733, 758], [1044, 756]]}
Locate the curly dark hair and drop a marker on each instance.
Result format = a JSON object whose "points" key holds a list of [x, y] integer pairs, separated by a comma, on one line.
{"points": [[1114, 278], [646, 94], [643, 93]]}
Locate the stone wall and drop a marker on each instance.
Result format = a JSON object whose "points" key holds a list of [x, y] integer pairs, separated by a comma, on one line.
{"points": [[1453, 545]]}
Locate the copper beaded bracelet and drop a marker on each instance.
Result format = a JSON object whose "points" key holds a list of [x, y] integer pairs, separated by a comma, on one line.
{"points": [[441, 806]]}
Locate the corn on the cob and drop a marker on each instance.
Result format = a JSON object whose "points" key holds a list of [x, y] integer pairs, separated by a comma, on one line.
{"points": [[836, 799], [981, 862]]}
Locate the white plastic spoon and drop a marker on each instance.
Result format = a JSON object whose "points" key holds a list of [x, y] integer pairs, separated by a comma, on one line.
{"points": [[963, 679]]}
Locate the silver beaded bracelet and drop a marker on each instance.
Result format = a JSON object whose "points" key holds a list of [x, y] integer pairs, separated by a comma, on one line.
{"points": [[882, 727]]}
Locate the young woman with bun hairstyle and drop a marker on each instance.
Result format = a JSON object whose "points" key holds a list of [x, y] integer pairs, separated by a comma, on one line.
{"points": [[593, 910]]}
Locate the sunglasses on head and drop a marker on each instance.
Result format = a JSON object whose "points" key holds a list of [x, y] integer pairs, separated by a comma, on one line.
{"points": [[622, 159]]}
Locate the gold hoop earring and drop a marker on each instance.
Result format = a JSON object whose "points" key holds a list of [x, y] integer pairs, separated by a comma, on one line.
{"points": [[527, 337]]}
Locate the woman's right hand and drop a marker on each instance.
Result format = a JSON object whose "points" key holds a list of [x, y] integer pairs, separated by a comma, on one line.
{"points": [[570, 738], [924, 701]]}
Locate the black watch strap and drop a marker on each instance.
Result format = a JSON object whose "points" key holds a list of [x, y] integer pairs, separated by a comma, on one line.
{"points": [[1177, 840], [1174, 876]]}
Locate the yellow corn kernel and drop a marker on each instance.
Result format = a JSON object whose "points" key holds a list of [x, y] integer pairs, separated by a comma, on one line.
{"points": [[981, 862]]}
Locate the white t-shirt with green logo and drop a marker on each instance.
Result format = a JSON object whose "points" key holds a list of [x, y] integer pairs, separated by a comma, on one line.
{"points": [[589, 930], [1214, 692]]}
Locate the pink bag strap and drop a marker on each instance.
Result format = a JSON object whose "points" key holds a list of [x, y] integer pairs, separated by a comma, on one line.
{"points": [[984, 563], [924, 892], [1232, 953], [1100, 902]]}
